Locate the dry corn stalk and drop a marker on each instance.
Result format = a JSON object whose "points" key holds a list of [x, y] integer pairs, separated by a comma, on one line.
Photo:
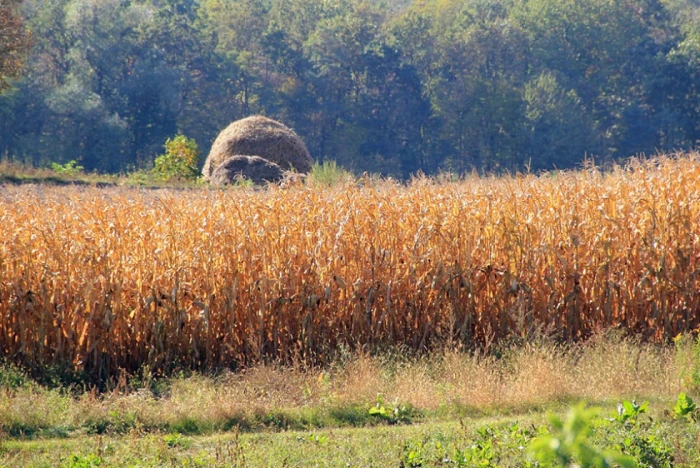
{"points": [[115, 279]]}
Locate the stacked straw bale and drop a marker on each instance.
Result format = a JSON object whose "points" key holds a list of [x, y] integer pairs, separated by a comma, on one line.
{"points": [[262, 137], [254, 168]]}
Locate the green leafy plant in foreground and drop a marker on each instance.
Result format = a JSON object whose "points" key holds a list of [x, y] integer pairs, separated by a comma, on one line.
{"points": [[637, 438], [490, 446], [582, 439], [569, 443]]}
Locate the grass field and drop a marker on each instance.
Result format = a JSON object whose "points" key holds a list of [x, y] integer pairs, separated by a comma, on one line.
{"points": [[480, 442]]}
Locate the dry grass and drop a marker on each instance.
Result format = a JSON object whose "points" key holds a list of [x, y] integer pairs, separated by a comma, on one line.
{"points": [[443, 383], [102, 280]]}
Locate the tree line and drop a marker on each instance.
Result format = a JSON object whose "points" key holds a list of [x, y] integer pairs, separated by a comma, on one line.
{"points": [[393, 87]]}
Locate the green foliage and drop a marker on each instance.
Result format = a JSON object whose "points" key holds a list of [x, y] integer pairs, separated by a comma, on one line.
{"points": [[69, 169], [657, 442], [556, 123], [382, 87], [177, 441], [188, 425], [647, 451], [140, 177], [636, 438], [15, 42], [413, 454], [482, 452], [569, 442], [180, 161], [329, 174], [489, 446], [685, 407], [83, 461], [688, 357], [628, 412], [393, 413], [122, 421], [12, 377]]}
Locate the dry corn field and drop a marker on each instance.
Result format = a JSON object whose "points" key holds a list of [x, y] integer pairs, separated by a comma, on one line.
{"points": [[110, 279]]}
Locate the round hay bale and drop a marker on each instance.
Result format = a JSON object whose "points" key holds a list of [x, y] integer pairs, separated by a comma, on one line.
{"points": [[263, 137], [254, 168]]}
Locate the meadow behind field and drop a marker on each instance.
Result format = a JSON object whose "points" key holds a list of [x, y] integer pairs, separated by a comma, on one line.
{"points": [[108, 280]]}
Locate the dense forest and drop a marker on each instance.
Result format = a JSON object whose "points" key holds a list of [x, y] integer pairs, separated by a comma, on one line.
{"points": [[393, 87]]}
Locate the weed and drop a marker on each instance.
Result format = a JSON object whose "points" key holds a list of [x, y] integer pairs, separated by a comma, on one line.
{"points": [[647, 451], [12, 377], [393, 413], [413, 454], [69, 169], [628, 412], [635, 438], [569, 442], [319, 439], [187, 425], [177, 441], [122, 422], [685, 407], [83, 461], [329, 174], [688, 357]]}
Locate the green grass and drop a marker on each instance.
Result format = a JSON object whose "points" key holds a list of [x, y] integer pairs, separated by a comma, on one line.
{"points": [[653, 439], [70, 174], [327, 174]]}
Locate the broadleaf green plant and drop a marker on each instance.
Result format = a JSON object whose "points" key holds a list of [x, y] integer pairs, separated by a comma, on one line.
{"points": [[569, 443], [685, 407], [180, 161]]}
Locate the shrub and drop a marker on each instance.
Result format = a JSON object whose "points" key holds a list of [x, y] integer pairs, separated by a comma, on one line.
{"points": [[685, 407], [180, 160], [329, 174], [71, 168]]}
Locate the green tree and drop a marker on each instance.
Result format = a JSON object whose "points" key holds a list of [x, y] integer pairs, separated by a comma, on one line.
{"points": [[392, 87], [106, 88], [558, 130], [611, 53], [474, 82], [238, 27], [14, 42]]}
